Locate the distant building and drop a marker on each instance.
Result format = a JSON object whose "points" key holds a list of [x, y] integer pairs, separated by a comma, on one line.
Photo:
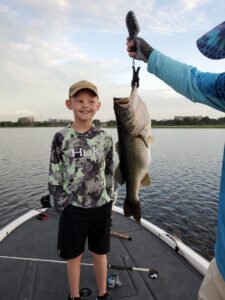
{"points": [[181, 118], [165, 120], [26, 120], [59, 121], [178, 118]]}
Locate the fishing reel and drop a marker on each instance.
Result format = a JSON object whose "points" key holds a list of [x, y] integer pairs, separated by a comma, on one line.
{"points": [[153, 274]]}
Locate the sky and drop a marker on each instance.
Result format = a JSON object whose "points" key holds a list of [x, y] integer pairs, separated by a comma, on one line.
{"points": [[47, 45]]}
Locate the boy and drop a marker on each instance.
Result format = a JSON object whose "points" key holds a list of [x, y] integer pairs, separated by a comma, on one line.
{"points": [[81, 184]]}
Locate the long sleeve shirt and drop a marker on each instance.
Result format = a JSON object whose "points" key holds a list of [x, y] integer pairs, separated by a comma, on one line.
{"points": [[205, 88], [81, 168]]}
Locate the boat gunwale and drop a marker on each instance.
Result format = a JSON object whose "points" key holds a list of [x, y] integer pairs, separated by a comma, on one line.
{"points": [[11, 226], [197, 261]]}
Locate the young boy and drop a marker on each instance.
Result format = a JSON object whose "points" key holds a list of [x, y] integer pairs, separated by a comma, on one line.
{"points": [[81, 184]]}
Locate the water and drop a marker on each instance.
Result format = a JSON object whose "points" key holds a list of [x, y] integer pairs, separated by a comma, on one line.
{"points": [[185, 172]]}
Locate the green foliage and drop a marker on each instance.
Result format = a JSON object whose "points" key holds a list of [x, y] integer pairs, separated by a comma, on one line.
{"points": [[111, 123], [190, 121], [97, 123], [176, 122]]}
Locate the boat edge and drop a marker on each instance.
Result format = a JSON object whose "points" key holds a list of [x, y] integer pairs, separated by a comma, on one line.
{"points": [[197, 261], [8, 228]]}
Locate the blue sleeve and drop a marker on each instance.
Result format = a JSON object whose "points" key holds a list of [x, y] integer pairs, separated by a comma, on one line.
{"points": [[220, 238], [206, 88]]}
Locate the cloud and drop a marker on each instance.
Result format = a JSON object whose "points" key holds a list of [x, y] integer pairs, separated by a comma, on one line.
{"points": [[48, 45], [48, 6], [36, 76], [193, 4], [61, 17], [166, 103]]}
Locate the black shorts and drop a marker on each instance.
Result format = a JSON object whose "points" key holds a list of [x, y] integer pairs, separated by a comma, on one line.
{"points": [[76, 224]]}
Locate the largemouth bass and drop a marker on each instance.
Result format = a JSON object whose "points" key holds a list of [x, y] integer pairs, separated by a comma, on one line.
{"points": [[134, 134]]}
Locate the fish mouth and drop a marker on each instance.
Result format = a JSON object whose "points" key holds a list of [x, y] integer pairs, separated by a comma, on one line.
{"points": [[121, 101]]}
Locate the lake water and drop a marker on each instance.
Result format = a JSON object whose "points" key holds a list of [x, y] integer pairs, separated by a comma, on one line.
{"points": [[185, 172]]}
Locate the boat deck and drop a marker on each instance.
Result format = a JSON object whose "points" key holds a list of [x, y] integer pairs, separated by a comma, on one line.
{"points": [[38, 280]]}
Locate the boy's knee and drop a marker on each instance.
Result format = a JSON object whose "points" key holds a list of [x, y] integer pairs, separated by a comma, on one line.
{"points": [[75, 259], [98, 256]]}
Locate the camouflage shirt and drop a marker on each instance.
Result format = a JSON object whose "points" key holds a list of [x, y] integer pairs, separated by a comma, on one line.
{"points": [[81, 168]]}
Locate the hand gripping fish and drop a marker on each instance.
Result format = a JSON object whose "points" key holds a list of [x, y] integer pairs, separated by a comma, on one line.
{"points": [[134, 128]]}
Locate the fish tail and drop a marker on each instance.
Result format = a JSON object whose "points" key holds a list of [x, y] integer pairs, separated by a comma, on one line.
{"points": [[132, 209]]}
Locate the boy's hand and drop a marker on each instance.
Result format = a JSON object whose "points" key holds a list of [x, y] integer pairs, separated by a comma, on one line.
{"points": [[139, 49]]}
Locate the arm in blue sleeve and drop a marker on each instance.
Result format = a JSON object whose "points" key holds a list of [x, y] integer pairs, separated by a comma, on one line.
{"points": [[220, 238], [187, 80]]}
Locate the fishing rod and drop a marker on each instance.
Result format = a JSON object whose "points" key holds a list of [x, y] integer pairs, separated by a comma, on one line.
{"points": [[120, 235], [152, 273]]}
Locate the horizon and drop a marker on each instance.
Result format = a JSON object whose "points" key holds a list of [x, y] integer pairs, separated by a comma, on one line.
{"points": [[45, 48], [67, 120]]}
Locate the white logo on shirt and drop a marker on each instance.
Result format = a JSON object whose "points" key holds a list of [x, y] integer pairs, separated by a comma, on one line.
{"points": [[84, 153]]}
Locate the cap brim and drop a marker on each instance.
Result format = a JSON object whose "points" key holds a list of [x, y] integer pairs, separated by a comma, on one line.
{"points": [[212, 44], [84, 88]]}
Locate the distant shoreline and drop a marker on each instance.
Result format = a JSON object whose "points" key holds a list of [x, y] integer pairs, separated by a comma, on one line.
{"points": [[192, 126], [154, 126], [177, 122]]}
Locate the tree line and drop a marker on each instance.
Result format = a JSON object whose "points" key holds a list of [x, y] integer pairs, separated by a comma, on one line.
{"points": [[185, 121], [188, 121]]}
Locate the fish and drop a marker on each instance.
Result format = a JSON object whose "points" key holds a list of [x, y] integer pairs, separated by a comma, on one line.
{"points": [[133, 148]]}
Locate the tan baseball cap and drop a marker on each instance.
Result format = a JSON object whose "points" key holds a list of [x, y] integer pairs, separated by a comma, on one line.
{"points": [[80, 85]]}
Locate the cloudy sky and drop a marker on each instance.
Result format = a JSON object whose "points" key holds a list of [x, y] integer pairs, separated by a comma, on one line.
{"points": [[47, 45]]}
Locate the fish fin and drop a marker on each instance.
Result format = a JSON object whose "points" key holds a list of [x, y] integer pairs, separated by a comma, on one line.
{"points": [[147, 140], [118, 175], [132, 209], [150, 139], [146, 181]]}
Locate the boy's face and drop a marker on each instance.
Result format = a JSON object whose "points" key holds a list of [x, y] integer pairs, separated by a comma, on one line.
{"points": [[84, 105]]}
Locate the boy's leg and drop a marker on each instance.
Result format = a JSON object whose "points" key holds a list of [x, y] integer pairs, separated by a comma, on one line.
{"points": [[73, 229], [99, 245], [73, 273], [100, 267]]}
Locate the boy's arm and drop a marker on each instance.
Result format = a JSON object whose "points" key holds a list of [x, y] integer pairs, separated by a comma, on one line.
{"points": [[55, 179], [109, 169]]}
